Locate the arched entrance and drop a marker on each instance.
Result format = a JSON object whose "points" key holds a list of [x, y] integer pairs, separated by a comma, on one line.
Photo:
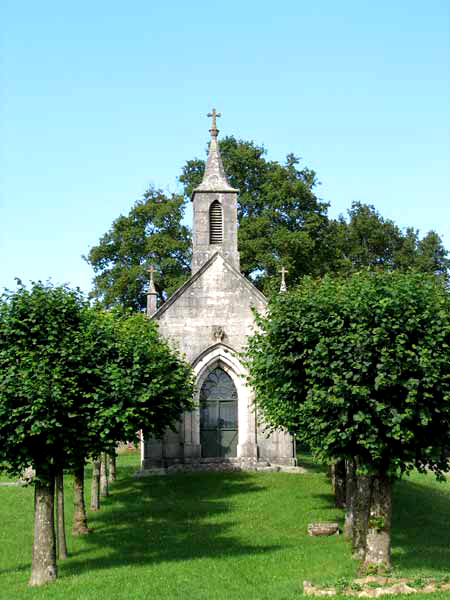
{"points": [[218, 415]]}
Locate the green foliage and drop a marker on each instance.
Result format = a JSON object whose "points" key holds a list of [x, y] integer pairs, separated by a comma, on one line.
{"points": [[151, 234], [360, 366], [145, 383], [39, 389], [369, 240], [74, 381], [340, 585], [282, 222], [376, 522]]}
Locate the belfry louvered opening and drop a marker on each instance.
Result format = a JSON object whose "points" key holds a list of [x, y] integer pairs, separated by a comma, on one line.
{"points": [[215, 223]]}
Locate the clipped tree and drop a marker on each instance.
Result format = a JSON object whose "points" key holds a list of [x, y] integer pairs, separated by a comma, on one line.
{"points": [[73, 382], [132, 380], [39, 394], [359, 368]]}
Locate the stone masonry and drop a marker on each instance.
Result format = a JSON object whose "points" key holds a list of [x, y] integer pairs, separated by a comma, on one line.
{"points": [[208, 319]]}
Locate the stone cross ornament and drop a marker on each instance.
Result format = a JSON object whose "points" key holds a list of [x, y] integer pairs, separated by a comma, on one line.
{"points": [[283, 272], [151, 293], [151, 285], [214, 114]]}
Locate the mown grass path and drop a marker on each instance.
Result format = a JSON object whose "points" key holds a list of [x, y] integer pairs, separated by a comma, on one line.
{"points": [[216, 536]]}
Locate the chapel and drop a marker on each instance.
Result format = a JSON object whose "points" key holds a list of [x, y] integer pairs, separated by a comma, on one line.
{"points": [[208, 320]]}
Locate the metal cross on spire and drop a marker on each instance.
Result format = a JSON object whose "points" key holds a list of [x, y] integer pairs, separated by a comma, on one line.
{"points": [[283, 272], [214, 114]]}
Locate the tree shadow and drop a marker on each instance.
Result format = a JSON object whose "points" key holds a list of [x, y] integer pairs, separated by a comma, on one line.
{"points": [[328, 502], [306, 460], [421, 527], [16, 568], [166, 518]]}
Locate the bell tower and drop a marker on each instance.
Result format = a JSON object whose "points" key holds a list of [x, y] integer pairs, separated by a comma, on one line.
{"points": [[214, 209]]}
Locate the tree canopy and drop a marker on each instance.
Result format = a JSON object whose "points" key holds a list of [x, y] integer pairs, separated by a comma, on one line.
{"points": [[73, 382], [359, 368], [282, 222], [367, 239], [151, 234]]}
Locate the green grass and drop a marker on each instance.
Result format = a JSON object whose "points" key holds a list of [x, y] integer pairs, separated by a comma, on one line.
{"points": [[216, 536]]}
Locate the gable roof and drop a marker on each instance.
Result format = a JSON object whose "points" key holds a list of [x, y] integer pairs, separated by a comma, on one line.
{"points": [[181, 290]]}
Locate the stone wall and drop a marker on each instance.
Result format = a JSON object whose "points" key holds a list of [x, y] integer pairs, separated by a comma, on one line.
{"points": [[201, 247], [218, 296], [208, 320]]}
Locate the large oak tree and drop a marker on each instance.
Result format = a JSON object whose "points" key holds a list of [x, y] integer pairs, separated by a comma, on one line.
{"points": [[282, 222]]}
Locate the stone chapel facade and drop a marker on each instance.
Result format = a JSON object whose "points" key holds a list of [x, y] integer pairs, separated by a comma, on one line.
{"points": [[208, 319]]}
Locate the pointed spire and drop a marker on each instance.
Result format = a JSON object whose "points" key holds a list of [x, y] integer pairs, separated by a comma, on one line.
{"points": [[283, 272], [214, 177], [151, 293], [151, 284]]}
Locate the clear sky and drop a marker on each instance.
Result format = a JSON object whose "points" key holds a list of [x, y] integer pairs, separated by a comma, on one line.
{"points": [[100, 99]]}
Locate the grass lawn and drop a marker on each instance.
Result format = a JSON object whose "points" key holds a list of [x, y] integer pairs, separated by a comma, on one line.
{"points": [[216, 536]]}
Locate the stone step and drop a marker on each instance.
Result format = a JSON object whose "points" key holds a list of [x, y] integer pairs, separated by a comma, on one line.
{"points": [[219, 466]]}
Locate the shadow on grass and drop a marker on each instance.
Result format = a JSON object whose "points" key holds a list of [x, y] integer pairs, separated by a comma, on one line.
{"points": [[168, 518], [328, 501], [16, 568], [421, 527], [306, 460]]}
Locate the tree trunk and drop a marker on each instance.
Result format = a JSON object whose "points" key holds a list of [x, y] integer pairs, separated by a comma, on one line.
{"points": [[350, 490], [43, 566], [104, 491], [79, 524], [95, 486], [112, 466], [338, 482], [378, 546], [361, 505], [60, 523]]}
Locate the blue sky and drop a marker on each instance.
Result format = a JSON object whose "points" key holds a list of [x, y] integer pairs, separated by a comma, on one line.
{"points": [[101, 99]]}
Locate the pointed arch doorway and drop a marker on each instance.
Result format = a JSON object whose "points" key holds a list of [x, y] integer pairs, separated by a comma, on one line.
{"points": [[218, 415]]}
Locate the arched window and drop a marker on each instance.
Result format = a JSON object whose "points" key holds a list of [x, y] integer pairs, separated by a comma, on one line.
{"points": [[215, 223], [218, 415]]}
